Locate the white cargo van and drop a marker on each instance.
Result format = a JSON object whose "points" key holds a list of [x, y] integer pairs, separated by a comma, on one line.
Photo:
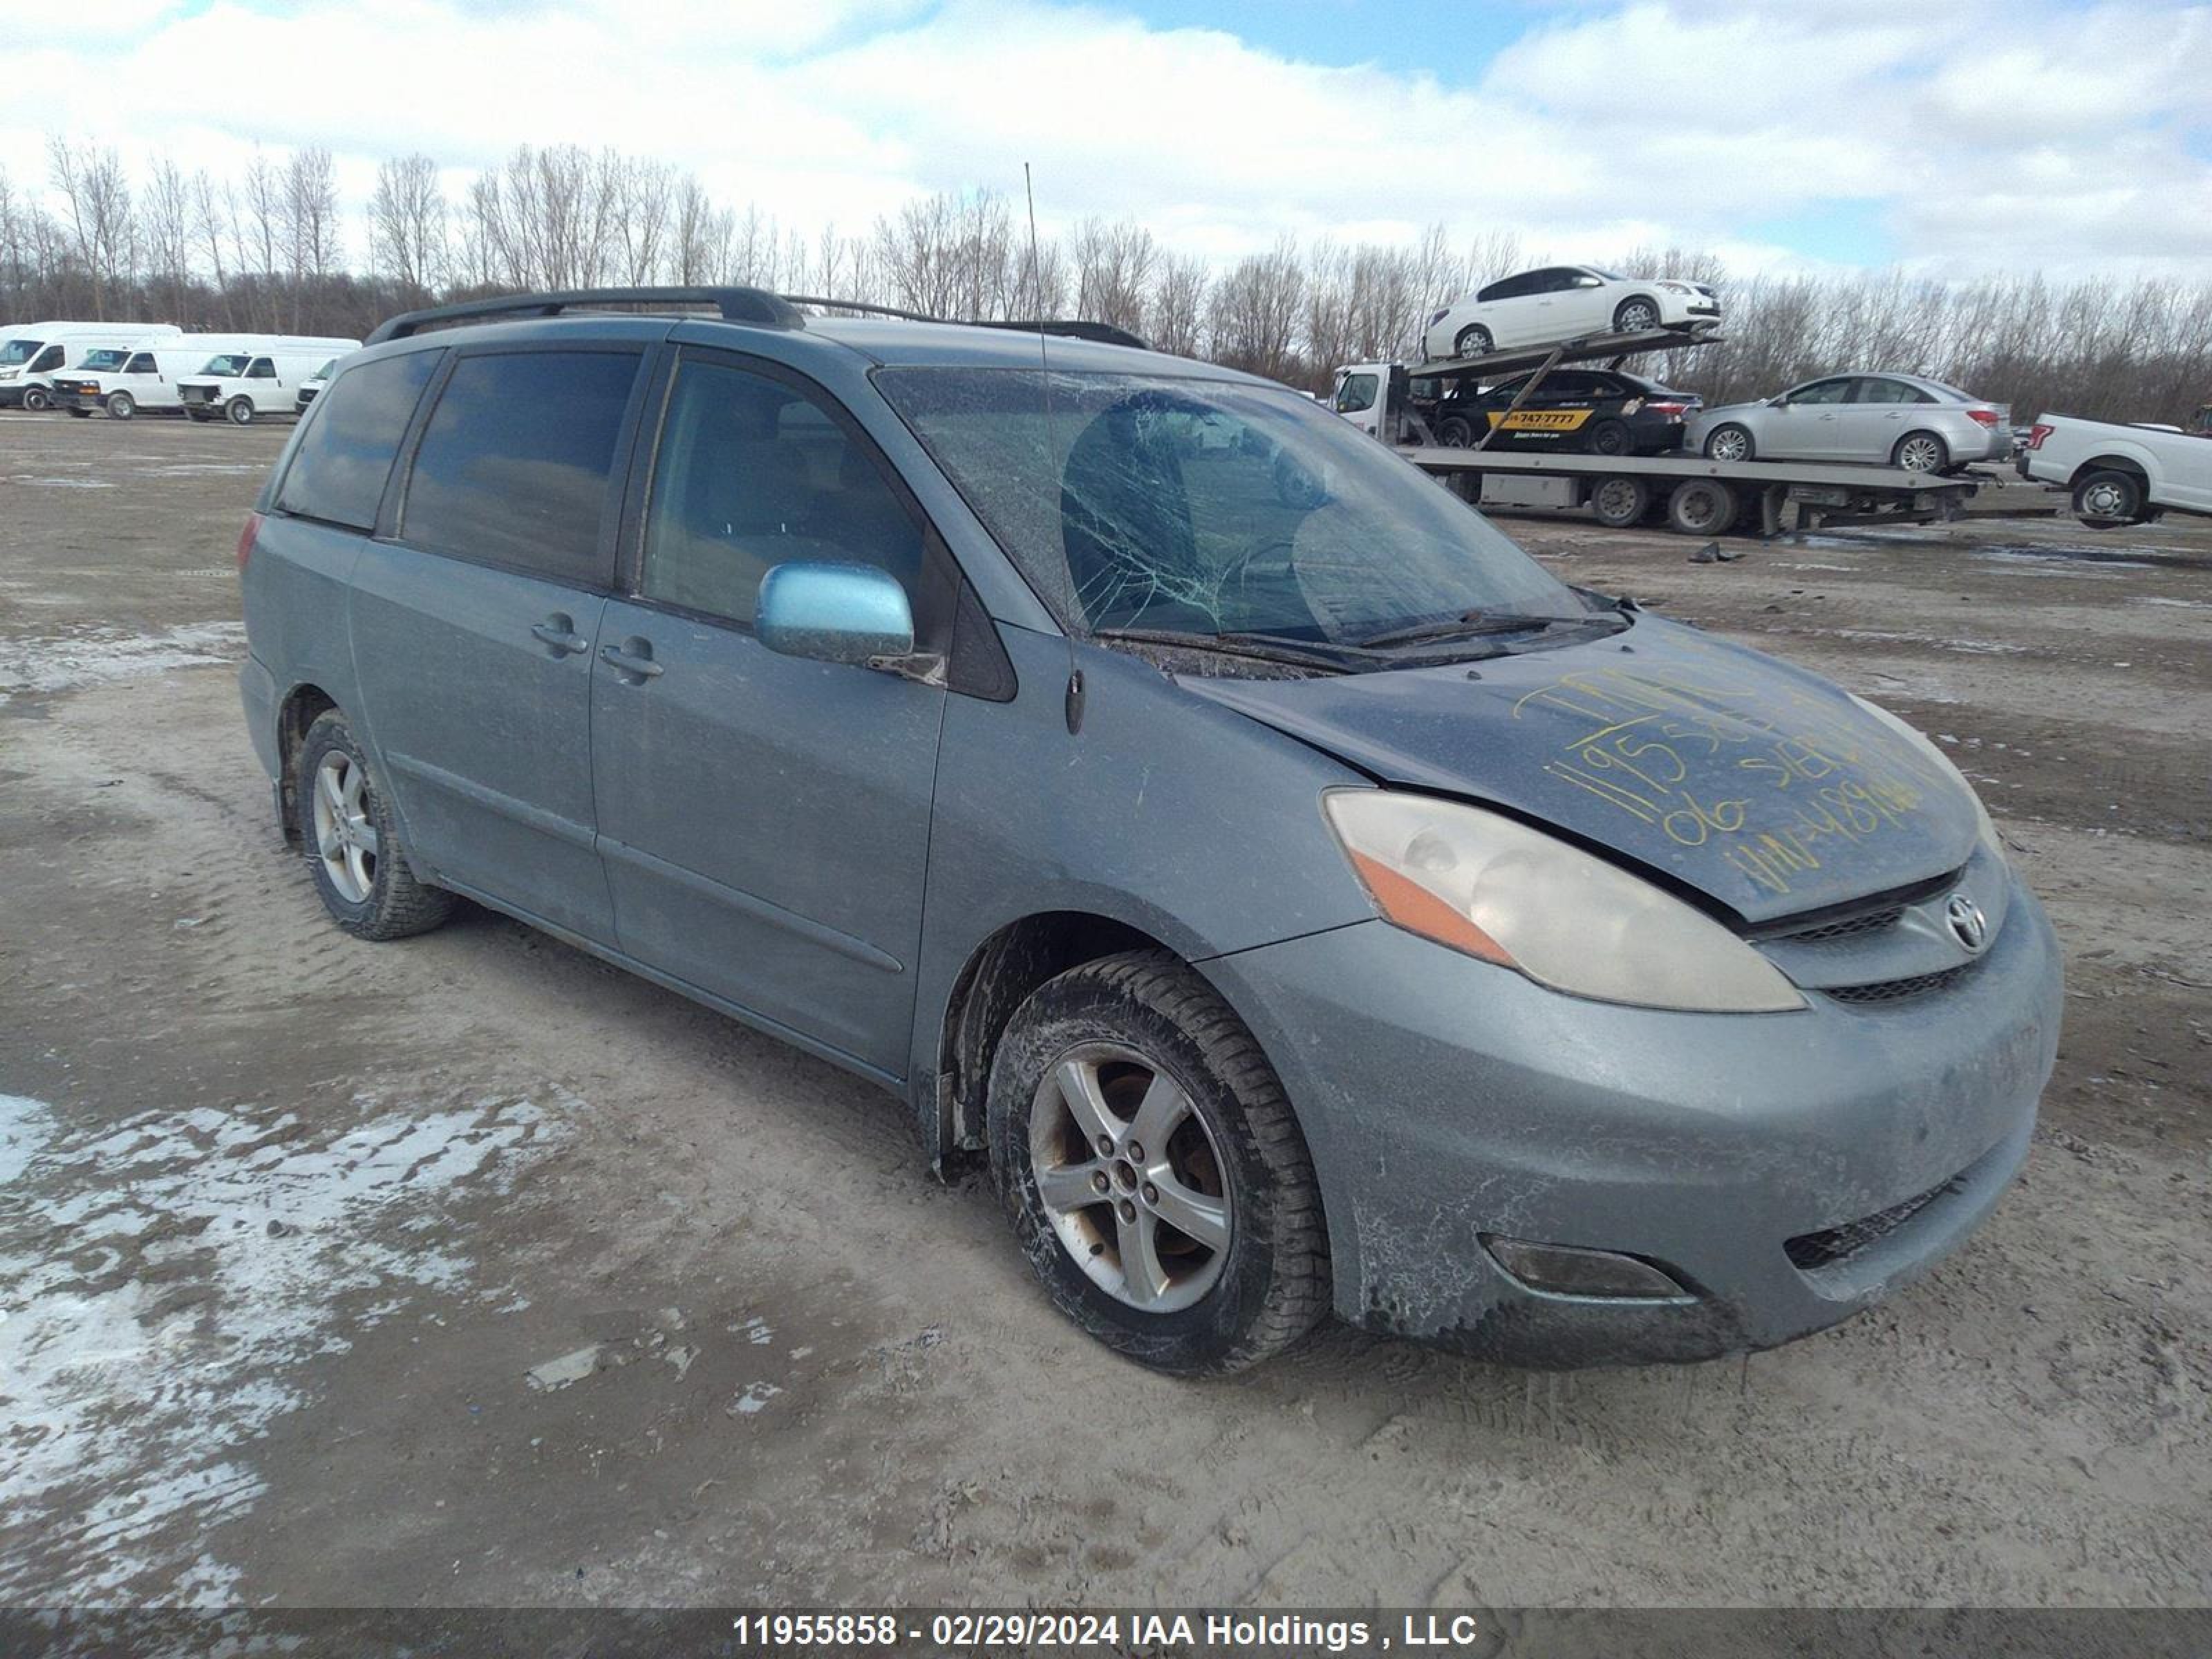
{"points": [[145, 381], [262, 377], [313, 385], [32, 352]]}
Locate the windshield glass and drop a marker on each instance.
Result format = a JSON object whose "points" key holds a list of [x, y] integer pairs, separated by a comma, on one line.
{"points": [[229, 366], [1209, 507], [97, 360], [323, 372], [16, 353]]}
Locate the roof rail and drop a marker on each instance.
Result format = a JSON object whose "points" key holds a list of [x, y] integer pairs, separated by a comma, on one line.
{"points": [[1073, 327], [736, 305]]}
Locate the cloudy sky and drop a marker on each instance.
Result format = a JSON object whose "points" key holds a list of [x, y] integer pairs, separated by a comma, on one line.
{"points": [[1958, 139]]}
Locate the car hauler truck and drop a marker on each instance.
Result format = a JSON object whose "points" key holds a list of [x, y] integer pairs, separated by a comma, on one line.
{"points": [[1697, 496]]}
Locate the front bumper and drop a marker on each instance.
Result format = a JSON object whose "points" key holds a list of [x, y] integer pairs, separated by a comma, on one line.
{"points": [[1444, 1100], [11, 397]]}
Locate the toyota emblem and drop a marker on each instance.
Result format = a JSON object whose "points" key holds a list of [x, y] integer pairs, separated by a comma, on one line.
{"points": [[1968, 925]]}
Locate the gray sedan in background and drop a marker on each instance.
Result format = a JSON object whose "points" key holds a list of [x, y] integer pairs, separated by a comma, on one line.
{"points": [[1903, 420]]}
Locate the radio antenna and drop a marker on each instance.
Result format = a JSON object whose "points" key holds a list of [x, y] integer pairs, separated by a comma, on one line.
{"points": [[1073, 707]]}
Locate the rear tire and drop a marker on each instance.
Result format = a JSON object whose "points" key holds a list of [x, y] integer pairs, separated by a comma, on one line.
{"points": [[1730, 442], [1473, 341], [1702, 506], [240, 410], [352, 840], [1088, 1062], [1612, 437], [1455, 433], [121, 405], [1619, 503], [2109, 499]]}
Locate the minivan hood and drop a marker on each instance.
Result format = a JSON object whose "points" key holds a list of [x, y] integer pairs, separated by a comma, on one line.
{"points": [[1763, 787]]}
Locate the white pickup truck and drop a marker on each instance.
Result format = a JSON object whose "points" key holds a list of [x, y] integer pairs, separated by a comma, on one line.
{"points": [[2121, 475]]}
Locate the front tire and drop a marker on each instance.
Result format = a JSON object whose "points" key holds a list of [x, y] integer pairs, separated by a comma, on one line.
{"points": [[2109, 499], [36, 401], [1153, 1172], [1730, 443], [1635, 316], [1473, 341], [121, 405], [352, 840], [240, 410], [1922, 452]]}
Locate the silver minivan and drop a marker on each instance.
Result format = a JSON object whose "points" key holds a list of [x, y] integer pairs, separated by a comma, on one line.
{"points": [[1303, 900]]}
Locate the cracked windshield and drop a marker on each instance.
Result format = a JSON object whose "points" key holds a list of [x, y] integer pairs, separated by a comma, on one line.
{"points": [[1210, 509]]}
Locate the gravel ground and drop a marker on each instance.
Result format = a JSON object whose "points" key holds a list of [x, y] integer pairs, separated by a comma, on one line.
{"points": [[471, 1270]]}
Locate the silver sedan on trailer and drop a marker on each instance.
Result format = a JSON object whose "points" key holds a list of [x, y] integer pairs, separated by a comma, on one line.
{"points": [[1903, 420]]}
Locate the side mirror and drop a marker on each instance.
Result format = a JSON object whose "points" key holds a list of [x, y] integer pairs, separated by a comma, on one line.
{"points": [[848, 613]]}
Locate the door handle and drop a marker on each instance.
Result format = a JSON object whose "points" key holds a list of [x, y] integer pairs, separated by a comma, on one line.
{"points": [[558, 631], [632, 656]]}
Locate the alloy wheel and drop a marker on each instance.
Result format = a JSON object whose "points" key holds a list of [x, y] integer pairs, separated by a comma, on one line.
{"points": [[1920, 455], [1130, 1177], [345, 826], [1636, 317], [1728, 445]]}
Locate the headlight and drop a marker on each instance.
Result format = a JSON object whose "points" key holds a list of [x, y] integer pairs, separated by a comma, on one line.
{"points": [[1677, 288], [1498, 890], [1920, 740]]}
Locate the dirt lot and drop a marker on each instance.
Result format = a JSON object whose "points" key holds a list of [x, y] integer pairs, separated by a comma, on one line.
{"points": [[470, 1270]]}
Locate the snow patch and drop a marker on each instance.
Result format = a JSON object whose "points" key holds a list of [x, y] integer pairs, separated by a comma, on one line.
{"points": [[165, 1280], [99, 656]]}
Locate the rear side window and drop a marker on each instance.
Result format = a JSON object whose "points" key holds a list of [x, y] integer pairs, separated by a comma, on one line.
{"points": [[338, 473], [514, 463]]}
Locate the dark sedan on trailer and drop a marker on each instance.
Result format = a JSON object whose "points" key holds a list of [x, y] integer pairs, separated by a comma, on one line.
{"points": [[1599, 411]]}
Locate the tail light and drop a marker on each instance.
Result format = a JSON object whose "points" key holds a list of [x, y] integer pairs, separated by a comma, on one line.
{"points": [[1668, 409], [246, 537], [1439, 316], [2037, 434], [1983, 416]]}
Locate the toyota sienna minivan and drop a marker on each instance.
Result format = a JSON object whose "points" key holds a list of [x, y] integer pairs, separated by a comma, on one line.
{"points": [[1307, 902]]}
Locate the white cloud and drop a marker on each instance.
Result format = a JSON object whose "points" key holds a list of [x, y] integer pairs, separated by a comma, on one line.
{"points": [[1996, 131]]}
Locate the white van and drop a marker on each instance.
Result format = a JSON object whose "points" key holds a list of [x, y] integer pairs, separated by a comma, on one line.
{"points": [[311, 386], [262, 377], [32, 352], [141, 381]]}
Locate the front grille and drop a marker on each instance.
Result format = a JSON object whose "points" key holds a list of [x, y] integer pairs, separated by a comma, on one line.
{"points": [[1832, 1244], [1899, 990], [1871, 921]]}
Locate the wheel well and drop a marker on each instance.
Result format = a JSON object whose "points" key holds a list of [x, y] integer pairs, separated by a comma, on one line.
{"points": [[2109, 463], [1000, 976], [302, 708]]}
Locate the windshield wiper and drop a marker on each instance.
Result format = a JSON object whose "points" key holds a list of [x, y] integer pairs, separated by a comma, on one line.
{"points": [[1469, 625], [1263, 647]]}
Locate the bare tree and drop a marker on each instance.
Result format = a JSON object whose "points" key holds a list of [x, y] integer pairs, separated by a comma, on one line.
{"points": [[1255, 313], [167, 225], [1179, 295], [407, 225], [1113, 272], [98, 191]]}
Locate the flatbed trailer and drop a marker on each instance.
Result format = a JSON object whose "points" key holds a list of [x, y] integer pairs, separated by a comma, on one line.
{"points": [[1697, 496], [1700, 497]]}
